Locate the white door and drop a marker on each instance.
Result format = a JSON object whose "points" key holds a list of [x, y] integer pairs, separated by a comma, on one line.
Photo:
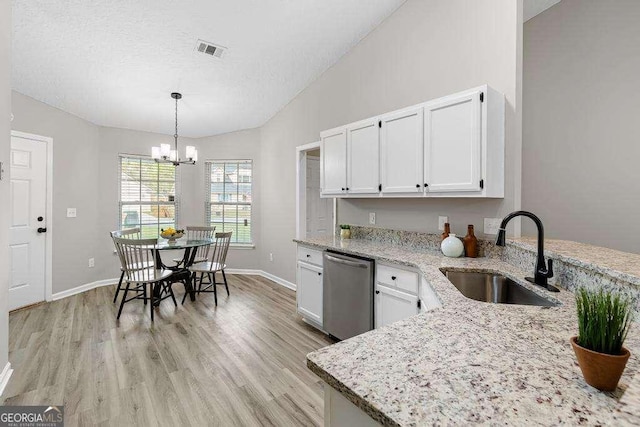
{"points": [[453, 130], [363, 153], [402, 151], [333, 148], [28, 197], [309, 292], [319, 209], [392, 305]]}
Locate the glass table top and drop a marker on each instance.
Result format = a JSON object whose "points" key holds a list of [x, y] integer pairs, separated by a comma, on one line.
{"points": [[183, 243]]}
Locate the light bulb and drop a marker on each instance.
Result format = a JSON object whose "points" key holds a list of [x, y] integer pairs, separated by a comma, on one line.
{"points": [[155, 152], [190, 151], [165, 150]]}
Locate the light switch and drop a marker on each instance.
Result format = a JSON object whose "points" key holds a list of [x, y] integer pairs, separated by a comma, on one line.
{"points": [[441, 221], [71, 212], [372, 218]]}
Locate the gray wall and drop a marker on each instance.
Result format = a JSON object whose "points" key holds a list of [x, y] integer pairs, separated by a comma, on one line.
{"points": [[581, 142], [5, 144], [75, 185], [426, 49]]}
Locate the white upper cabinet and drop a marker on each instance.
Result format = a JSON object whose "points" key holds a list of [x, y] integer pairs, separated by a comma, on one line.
{"points": [[448, 147], [452, 143], [401, 147], [363, 157], [333, 148]]}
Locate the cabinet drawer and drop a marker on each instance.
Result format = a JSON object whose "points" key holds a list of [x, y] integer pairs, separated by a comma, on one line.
{"points": [[399, 278], [312, 256]]}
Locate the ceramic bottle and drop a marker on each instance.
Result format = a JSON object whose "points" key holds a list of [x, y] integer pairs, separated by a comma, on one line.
{"points": [[470, 243], [452, 246]]}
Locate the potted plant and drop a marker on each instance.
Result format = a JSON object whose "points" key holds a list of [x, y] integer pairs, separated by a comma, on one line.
{"points": [[345, 231], [603, 323]]}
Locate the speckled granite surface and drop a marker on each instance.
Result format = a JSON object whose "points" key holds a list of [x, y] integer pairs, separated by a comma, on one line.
{"points": [[468, 361]]}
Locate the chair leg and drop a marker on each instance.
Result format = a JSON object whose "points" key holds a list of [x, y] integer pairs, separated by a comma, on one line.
{"points": [[124, 298], [186, 286], [224, 277], [115, 298], [200, 285], [144, 294], [173, 297], [151, 306], [215, 293]]}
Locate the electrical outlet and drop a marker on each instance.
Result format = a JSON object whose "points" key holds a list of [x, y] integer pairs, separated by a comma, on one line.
{"points": [[271, 257], [71, 212], [372, 218], [441, 221], [492, 225], [92, 262]]}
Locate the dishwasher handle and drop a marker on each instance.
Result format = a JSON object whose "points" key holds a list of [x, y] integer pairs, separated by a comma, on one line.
{"points": [[346, 262]]}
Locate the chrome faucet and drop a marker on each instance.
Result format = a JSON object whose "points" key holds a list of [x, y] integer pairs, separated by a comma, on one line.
{"points": [[542, 272]]}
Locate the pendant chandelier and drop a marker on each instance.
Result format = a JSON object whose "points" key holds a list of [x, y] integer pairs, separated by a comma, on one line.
{"points": [[164, 153]]}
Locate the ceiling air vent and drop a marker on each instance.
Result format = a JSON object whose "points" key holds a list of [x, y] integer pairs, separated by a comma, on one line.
{"points": [[210, 49]]}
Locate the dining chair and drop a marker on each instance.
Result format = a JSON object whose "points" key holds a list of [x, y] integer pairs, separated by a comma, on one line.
{"points": [[216, 264], [199, 233], [128, 233], [137, 259]]}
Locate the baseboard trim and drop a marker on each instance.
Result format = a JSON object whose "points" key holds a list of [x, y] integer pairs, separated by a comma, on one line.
{"points": [[4, 377], [83, 288], [249, 272]]}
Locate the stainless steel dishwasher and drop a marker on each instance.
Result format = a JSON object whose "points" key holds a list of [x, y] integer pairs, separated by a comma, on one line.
{"points": [[348, 295]]}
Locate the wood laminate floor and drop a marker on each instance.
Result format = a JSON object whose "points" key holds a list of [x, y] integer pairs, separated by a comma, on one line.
{"points": [[242, 363]]}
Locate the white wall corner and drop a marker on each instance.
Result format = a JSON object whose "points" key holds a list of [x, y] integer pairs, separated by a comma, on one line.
{"points": [[4, 377]]}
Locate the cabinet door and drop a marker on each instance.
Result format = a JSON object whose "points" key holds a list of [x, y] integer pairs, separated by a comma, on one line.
{"points": [[309, 292], [401, 150], [392, 305], [363, 147], [333, 146], [453, 136]]}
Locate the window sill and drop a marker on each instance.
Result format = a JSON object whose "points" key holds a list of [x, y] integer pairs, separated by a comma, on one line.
{"points": [[242, 246]]}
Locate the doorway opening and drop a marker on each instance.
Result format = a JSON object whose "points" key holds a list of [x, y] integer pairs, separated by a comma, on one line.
{"points": [[315, 216], [30, 240]]}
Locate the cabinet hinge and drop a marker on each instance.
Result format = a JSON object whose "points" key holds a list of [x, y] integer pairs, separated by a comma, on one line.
{"points": [[419, 304], [379, 187], [481, 183], [481, 96], [379, 123]]}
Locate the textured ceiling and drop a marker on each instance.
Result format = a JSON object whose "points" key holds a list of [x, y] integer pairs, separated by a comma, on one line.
{"points": [[115, 62]]}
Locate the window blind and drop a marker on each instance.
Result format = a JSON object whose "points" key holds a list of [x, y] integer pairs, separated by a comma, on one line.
{"points": [[228, 186], [147, 196]]}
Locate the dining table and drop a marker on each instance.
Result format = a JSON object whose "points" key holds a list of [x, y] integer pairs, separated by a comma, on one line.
{"points": [[180, 270]]}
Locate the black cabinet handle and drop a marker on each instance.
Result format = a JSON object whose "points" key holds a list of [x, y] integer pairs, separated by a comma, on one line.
{"points": [[393, 277], [377, 292], [342, 188], [347, 188], [426, 185], [319, 274], [42, 230], [417, 185], [308, 256]]}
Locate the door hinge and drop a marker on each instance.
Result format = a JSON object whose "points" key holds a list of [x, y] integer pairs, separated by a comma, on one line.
{"points": [[379, 123], [481, 96], [379, 187], [481, 183], [419, 304], [1, 170]]}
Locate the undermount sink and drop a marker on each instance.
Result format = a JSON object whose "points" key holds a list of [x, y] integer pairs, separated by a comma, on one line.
{"points": [[495, 288]]}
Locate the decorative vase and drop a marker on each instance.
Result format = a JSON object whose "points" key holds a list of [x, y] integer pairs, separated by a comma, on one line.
{"points": [[470, 243], [600, 370], [345, 233], [446, 231], [452, 246]]}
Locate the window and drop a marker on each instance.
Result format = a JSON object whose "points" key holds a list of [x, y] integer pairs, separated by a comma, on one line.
{"points": [[228, 206], [147, 195]]}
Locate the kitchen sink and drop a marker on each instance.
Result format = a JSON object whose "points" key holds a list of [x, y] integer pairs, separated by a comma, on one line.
{"points": [[495, 288]]}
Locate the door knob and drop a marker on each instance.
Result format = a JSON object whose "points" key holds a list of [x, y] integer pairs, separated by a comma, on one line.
{"points": [[377, 292], [40, 219], [42, 230]]}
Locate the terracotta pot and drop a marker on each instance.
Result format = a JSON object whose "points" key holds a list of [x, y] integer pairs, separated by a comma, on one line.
{"points": [[600, 370]]}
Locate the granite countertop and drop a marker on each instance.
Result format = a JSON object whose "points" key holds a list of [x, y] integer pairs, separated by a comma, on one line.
{"points": [[467, 361]]}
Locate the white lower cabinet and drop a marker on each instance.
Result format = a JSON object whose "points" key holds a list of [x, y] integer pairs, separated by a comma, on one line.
{"points": [[309, 292], [392, 305]]}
